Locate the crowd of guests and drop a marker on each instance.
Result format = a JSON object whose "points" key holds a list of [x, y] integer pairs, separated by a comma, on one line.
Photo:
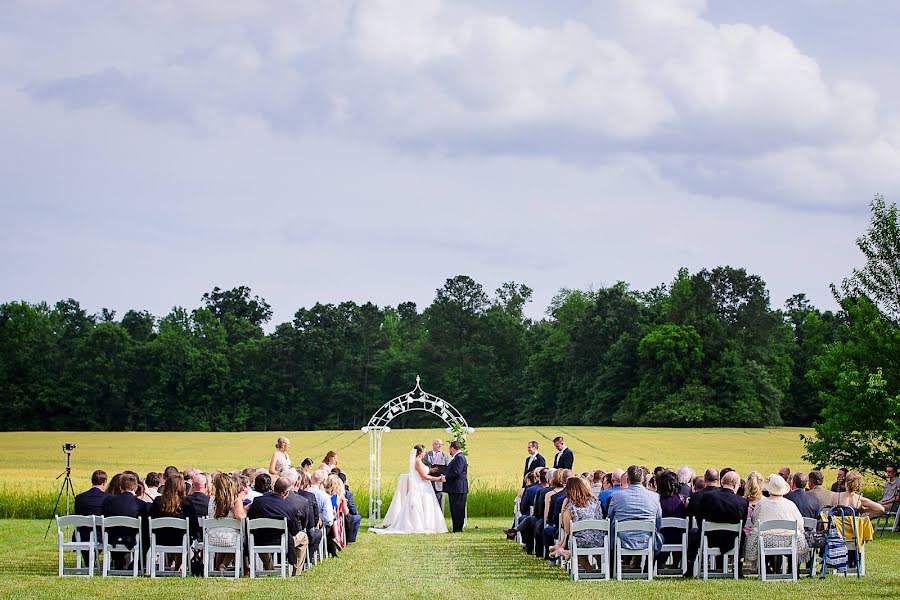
{"points": [[551, 499], [315, 503]]}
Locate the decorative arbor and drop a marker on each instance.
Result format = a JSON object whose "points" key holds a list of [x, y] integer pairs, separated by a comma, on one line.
{"points": [[417, 399]]}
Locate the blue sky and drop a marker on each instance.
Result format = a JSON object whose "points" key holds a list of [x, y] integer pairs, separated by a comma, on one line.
{"points": [[323, 151]]}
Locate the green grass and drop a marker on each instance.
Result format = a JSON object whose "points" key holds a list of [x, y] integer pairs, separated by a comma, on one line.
{"points": [[30, 461], [480, 563]]}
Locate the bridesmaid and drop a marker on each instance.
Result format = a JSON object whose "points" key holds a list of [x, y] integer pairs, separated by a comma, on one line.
{"points": [[280, 460]]}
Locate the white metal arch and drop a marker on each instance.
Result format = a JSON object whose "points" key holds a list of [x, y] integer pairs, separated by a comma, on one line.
{"points": [[415, 400]]}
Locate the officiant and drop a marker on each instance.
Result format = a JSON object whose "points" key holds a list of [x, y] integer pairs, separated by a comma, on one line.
{"points": [[437, 462]]}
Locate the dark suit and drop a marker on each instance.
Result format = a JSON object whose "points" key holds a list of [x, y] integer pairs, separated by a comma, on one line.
{"points": [[312, 529], [716, 505], [173, 537], [806, 503], [200, 502], [353, 519], [125, 505], [564, 459], [528, 498], [531, 463], [533, 527], [457, 489], [89, 503], [271, 506]]}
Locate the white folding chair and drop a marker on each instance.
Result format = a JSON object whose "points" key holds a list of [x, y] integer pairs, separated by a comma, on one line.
{"points": [[109, 548], [679, 548], [158, 551], [646, 554], [278, 551], [889, 520], [708, 553], [591, 553], [79, 545], [210, 551], [789, 549]]}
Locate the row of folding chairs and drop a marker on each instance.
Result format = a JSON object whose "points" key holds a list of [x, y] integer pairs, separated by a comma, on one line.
{"points": [[707, 555], [88, 552]]}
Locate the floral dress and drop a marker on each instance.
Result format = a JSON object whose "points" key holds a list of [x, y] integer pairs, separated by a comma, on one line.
{"points": [[589, 538]]}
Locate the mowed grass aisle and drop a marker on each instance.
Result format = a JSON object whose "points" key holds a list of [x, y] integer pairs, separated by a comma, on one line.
{"points": [[478, 563]]}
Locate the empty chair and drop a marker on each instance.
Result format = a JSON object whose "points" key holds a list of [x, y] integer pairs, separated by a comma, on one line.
{"points": [[158, 551], [769, 546], [79, 545], [708, 552], [111, 547], [645, 553], [278, 551], [210, 550], [679, 524], [592, 553]]}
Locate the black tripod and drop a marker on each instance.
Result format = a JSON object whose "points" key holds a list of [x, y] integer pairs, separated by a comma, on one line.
{"points": [[66, 487]]}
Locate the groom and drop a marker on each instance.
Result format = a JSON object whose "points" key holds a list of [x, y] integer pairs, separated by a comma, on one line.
{"points": [[456, 485]]}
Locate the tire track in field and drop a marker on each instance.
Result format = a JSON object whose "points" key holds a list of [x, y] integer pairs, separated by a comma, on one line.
{"points": [[589, 445]]}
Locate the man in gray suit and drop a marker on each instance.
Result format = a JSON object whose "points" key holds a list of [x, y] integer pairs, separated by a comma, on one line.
{"points": [[636, 502], [435, 457]]}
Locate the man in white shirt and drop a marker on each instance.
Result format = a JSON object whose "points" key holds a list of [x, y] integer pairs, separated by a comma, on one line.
{"points": [[890, 498]]}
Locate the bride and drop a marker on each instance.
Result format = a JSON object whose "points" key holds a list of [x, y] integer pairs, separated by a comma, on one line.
{"points": [[415, 508]]}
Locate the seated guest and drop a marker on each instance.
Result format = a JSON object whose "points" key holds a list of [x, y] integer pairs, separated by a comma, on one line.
{"points": [[838, 486], [151, 486], [125, 504], [227, 502], [716, 505], [90, 503], [250, 474], [853, 498], [326, 510], [525, 526], [785, 473], [556, 484], [275, 505], [822, 495], [753, 492], [616, 480], [280, 461], [306, 465], [686, 478], [171, 471], [890, 496], [530, 489], [329, 462], [246, 486], [353, 518], [806, 502], [533, 527], [581, 505], [334, 487], [139, 490], [300, 491], [649, 482], [188, 476], [710, 484], [697, 484], [554, 510], [775, 507], [173, 502], [114, 487], [262, 484], [635, 503], [199, 497], [673, 504], [597, 478]]}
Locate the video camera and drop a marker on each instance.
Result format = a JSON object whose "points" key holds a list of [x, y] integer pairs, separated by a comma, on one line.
{"points": [[68, 447]]}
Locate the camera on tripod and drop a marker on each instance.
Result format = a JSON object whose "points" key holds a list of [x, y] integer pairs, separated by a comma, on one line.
{"points": [[68, 447]]}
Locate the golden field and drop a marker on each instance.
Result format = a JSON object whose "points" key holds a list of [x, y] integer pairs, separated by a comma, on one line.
{"points": [[496, 455]]}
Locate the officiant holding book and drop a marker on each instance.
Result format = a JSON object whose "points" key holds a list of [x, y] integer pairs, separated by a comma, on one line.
{"points": [[436, 460]]}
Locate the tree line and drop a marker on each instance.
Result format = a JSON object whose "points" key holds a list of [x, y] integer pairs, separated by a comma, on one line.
{"points": [[706, 349]]}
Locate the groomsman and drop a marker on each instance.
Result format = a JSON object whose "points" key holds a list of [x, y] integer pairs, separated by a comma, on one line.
{"points": [[434, 457], [564, 457], [533, 461]]}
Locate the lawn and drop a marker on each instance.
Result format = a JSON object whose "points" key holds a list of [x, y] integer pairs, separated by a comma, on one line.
{"points": [[480, 563], [29, 461]]}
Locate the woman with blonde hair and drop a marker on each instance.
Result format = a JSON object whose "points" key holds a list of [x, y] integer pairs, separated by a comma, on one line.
{"points": [[753, 492], [335, 488], [280, 462], [226, 502], [852, 496]]}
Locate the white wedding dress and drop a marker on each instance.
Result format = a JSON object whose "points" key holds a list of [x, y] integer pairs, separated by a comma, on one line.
{"points": [[414, 508]]}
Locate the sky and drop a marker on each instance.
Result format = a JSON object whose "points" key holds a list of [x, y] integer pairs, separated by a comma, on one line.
{"points": [[368, 151]]}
